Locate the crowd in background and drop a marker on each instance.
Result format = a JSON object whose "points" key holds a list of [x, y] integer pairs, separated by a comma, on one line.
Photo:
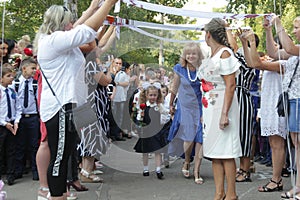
{"points": [[233, 91]]}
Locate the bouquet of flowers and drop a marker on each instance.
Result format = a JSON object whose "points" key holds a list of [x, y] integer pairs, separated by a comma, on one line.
{"points": [[140, 115]]}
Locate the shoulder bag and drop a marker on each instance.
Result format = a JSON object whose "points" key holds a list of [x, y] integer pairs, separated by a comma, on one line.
{"points": [[283, 99]]}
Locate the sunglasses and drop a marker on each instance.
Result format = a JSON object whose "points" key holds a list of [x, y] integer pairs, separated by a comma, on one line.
{"points": [[65, 10]]}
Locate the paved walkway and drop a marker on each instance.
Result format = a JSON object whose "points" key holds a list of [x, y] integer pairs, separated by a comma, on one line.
{"points": [[124, 180]]}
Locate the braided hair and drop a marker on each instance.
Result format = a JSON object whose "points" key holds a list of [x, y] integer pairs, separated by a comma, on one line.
{"points": [[216, 27]]}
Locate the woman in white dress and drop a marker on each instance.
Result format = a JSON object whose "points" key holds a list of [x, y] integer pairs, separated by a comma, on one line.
{"points": [[221, 142]]}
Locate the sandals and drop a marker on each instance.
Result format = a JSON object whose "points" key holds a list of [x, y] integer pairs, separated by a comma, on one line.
{"points": [[186, 170], [245, 176], [265, 188], [198, 179], [71, 196], [87, 177], [290, 194], [43, 194], [285, 172]]}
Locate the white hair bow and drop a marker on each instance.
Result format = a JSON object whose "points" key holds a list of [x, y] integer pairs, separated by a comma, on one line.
{"points": [[145, 85]]}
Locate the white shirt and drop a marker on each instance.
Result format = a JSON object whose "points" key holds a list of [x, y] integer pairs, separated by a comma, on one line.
{"points": [[3, 107], [13, 101], [121, 91], [63, 65], [32, 107]]}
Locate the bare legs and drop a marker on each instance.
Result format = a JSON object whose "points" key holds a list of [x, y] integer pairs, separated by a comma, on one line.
{"points": [[198, 159], [224, 168], [278, 156], [187, 147], [296, 141], [42, 162]]}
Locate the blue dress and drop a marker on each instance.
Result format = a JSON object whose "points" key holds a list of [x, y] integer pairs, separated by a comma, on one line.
{"points": [[186, 125]]}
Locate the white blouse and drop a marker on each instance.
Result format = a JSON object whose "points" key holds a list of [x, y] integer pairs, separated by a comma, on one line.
{"points": [[63, 64]]}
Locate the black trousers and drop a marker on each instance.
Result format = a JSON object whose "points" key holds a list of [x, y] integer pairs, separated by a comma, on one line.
{"points": [[58, 183], [27, 140], [7, 152]]}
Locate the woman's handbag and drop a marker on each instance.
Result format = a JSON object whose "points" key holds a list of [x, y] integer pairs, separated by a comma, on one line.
{"points": [[78, 117], [283, 104], [83, 116], [283, 99]]}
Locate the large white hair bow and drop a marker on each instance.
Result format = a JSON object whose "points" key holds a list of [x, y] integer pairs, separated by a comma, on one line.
{"points": [[157, 85]]}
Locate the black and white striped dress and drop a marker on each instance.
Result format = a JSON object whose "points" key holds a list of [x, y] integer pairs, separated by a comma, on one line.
{"points": [[243, 85]]}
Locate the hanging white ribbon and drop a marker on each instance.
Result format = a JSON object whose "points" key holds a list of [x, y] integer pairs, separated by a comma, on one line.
{"points": [[158, 37], [140, 24], [187, 13], [117, 7]]}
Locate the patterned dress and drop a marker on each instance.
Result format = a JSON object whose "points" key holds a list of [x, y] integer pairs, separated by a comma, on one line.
{"points": [[94, 141], [243, 86], [217, 143]]}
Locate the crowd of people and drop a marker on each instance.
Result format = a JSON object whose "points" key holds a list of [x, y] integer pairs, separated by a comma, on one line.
{"points": [[221, 107]]}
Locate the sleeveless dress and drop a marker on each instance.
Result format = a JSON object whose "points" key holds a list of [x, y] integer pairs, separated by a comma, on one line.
{"points": [[186, 125], [243, 86], [152, 134], [217, 143], [271, 123]]}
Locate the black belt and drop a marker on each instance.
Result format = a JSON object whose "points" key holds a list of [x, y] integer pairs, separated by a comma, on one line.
{"points": [[29, 115]]}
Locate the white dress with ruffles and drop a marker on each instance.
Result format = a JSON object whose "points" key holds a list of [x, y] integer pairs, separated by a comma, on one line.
{"points": [[217, 143]]}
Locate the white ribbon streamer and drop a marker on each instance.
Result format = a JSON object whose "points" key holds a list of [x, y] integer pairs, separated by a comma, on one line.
{"points": [[158, 37], [188, 13]]}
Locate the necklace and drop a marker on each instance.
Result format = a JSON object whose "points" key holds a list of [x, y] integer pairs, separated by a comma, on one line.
{"points": [[189, 75]]}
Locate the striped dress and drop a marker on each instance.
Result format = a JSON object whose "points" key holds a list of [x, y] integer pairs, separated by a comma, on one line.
{"points": [[243, 85]]}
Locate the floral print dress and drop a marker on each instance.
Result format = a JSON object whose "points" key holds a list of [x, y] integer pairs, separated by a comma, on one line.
{"points": [[217, 143]]}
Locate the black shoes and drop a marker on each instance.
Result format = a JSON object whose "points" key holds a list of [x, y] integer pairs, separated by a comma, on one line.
{"points": [[160, 175], [17, 176], [120, 139], [35, 176], [10, 180], [146, 173]]}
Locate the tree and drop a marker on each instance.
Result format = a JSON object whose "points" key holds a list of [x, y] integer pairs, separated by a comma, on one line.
{"points": [[287, 9]]}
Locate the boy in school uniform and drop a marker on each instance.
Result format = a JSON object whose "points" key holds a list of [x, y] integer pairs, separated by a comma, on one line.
{"points": [[28, 118], [8, 128]]}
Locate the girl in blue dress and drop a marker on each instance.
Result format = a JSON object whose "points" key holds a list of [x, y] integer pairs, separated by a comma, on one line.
{"points": [[186, 130]]}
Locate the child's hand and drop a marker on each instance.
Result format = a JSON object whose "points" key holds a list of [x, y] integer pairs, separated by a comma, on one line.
{"points": [[16, 126], [10, 127]]}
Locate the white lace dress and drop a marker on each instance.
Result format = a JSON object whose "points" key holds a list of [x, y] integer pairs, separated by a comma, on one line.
{"points": [[271, 123]]}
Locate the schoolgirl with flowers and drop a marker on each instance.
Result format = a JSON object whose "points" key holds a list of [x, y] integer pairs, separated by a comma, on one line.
{"points": [[151, 129]]}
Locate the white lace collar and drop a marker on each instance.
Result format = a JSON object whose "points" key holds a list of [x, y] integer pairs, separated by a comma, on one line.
{"points": [[151, 105]]}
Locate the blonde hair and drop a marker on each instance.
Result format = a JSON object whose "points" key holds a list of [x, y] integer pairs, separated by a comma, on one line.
{"points": [[192, 46], [297, 20], [55, 19], [23, 42], [144, 93]]}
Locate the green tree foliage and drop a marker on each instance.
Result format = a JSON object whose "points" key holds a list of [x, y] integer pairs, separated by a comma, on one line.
{"points": [[24, 17], [287, 9]]}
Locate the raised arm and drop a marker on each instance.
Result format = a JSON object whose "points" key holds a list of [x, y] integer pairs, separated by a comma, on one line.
{"points": [[232, 40], [252, 55], [272, 50], [97, 19]]}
